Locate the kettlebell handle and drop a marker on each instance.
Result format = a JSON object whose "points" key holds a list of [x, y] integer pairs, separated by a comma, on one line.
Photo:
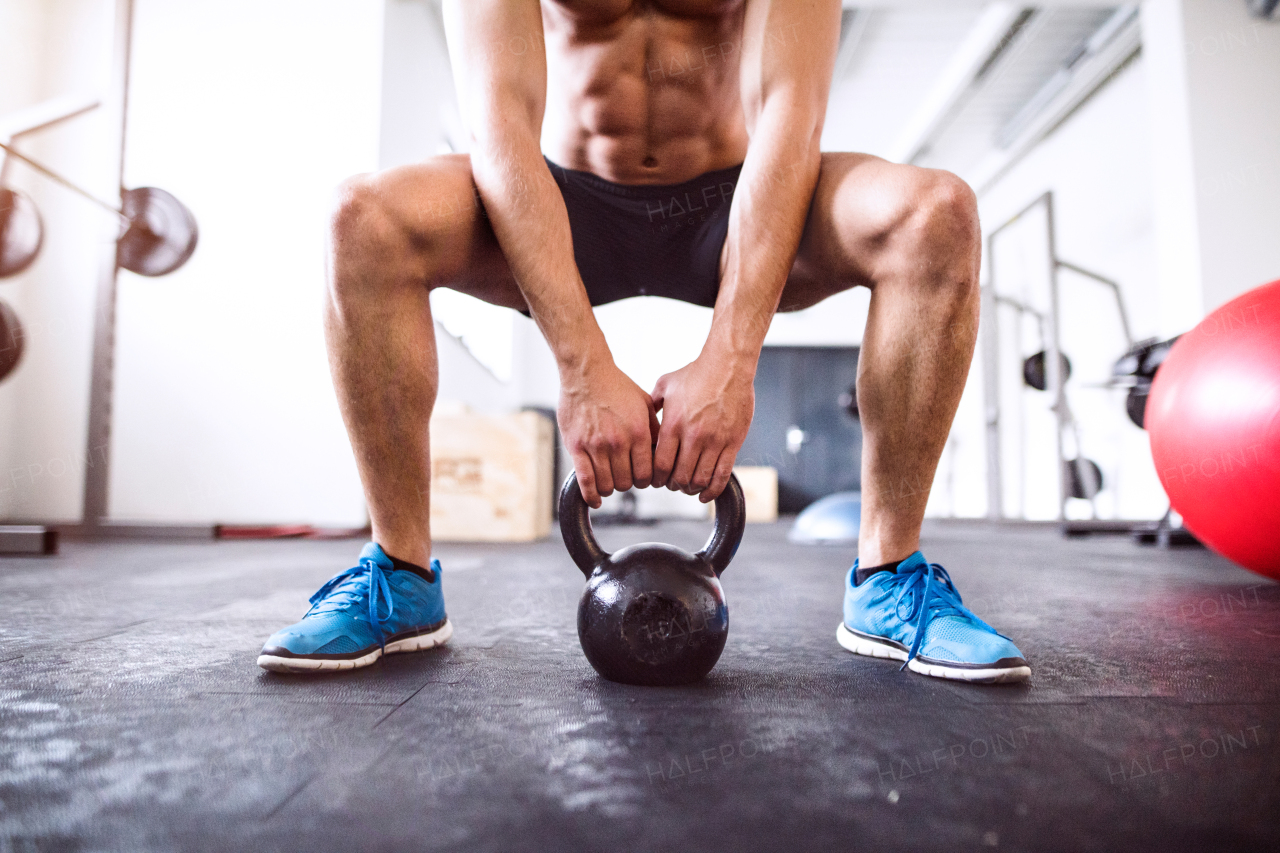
{"points": [[575, 527]]}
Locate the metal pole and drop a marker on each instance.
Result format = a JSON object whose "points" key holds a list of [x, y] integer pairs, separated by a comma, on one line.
{"points": [[989, 327], [98, 440], [1054, 372]]}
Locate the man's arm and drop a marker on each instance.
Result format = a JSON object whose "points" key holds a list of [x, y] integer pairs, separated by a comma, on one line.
{"points": [[606, 419], [789, 49]]}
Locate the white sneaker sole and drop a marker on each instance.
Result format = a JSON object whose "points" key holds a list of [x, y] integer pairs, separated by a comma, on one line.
{"points": [[872, 648], [438, 637]]}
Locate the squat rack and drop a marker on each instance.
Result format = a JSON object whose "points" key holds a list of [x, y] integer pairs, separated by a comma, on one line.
{"points": [[1050, 327]]}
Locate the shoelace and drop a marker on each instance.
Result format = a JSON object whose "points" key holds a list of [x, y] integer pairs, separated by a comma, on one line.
{"points": [[929, 593], [346, 588]]}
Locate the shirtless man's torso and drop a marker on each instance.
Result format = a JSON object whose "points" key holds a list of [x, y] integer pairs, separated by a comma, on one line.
{"points": [[644, 93]]}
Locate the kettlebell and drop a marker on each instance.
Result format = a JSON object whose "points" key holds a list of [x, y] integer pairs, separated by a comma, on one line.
{"points": [[652, 613]]}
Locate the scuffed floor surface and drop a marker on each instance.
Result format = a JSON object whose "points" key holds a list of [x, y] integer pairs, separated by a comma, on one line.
{"points": [[135, 718]]}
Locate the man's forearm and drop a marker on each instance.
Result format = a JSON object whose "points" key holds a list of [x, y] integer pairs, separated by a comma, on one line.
{"points": [[529, 219], [607, 421], [786, 80], [502, 96], [767, 220]]}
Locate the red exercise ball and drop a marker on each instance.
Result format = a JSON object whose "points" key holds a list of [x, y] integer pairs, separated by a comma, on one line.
{"points": [[1214, 420]]}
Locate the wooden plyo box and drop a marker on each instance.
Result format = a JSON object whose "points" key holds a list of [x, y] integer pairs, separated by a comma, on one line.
{"points": [[760, 488], [491, 477]]}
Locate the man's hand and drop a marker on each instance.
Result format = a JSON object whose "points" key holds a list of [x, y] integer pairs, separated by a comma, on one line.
{"points": [[707, 407], [609, 425]]}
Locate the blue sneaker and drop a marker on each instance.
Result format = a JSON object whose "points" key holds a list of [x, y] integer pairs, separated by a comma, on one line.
{"points": [[361, 614], [915, 615]]}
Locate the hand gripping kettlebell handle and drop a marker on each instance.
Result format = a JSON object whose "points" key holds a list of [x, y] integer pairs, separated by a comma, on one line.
{"points": [[575, 527]]}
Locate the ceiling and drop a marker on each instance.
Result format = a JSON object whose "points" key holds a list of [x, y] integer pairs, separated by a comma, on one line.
{"points": [[969, 86], [889, 59]]}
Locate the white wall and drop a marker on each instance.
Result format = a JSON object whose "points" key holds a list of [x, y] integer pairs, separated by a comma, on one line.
{"points": [[419, 112], [50, 48], [1215, 92], [250, 112], [1233, 65]]}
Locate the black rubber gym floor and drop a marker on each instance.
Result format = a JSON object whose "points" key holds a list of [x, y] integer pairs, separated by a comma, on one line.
{"points": [[135, 718]]}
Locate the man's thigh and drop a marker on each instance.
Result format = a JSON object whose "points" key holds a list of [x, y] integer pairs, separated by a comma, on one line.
{"points": [[858, 201], [434, 204]]}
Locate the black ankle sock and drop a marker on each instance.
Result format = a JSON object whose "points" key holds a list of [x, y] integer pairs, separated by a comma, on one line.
{"points": [[405, 565], [862, 574]]}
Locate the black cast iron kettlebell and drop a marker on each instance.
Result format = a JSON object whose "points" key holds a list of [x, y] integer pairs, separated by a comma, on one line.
{"points": [[651, 613]]}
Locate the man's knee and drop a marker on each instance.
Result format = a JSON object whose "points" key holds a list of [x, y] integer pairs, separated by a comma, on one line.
{"points": [[358, 217], [942, 225], [413, 224], [924, 234], [376, 243]]}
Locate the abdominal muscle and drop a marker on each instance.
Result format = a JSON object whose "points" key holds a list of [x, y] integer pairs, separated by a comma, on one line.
{"points": [[638, 93]]}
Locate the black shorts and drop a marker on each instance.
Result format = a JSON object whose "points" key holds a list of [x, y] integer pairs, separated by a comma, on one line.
{"points": [[659, 240]]}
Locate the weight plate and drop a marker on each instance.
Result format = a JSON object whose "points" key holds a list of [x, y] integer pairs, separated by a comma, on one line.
{"points": [[162, 233], [1084, 478], [21, 232], [12, 340], [1035, 370], [1135, 404]]}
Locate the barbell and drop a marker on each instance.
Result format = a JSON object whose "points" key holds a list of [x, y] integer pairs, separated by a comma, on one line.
{"points": [[159, 233]]}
